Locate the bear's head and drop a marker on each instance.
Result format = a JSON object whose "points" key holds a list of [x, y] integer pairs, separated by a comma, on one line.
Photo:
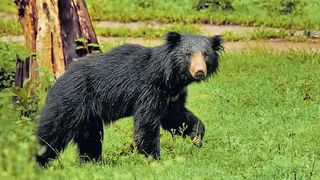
{"points": [[194, 57]]}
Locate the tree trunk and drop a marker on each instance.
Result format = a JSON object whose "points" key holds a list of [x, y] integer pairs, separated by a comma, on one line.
{"points": [[56, 32], [49, 42], [77, 31], [28, 18]]}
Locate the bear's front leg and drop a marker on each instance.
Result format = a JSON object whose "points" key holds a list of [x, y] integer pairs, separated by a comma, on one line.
{"points": [[183, 122], [147, 130]]}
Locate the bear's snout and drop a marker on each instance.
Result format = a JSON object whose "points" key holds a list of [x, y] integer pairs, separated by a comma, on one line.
{"points": [[198, 67]]}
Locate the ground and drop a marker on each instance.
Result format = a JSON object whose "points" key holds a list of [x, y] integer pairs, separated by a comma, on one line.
{"points": [[262, 117], [261, 114]]}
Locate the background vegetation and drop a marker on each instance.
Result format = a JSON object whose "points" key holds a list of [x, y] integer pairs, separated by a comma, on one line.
{"points": [[288, 15], [299, 14]]}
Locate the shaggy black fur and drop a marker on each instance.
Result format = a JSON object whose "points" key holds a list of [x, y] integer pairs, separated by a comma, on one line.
{"points": [[131, 80]]}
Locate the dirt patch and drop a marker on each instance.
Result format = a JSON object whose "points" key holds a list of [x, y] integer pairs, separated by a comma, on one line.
{"points": [[131, 25], [119, 41], [7, 16], [210, 29], [13, 39], [275, 44]]}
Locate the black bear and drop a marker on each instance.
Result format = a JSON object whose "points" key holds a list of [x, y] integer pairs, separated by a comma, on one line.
{"points": [[130, 80]]}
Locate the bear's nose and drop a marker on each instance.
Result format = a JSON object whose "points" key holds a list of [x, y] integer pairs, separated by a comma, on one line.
{"points": [[200, 75]]}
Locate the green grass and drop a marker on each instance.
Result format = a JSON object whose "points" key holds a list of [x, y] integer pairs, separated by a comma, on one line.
{"points": [[246, 12], [8, 53], [262, 122], [10, 27], [264, 34], [8, 6], [146, 32], [158, 33]]}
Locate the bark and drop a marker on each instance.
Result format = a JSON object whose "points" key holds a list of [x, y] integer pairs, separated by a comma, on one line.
{"points": [[48, 41], [27, 14], [76, 29], [56, 32]]}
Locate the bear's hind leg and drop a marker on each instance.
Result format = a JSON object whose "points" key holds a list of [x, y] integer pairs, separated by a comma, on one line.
{"points": [[89, 140]]}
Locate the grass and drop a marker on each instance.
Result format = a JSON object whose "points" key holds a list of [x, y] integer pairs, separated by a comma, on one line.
{"points": [[8, 6], [245, 12], [10, 27], [261, 111], [146, 32], [158, 33], [262, 13], [274, 13], [262, 122], [8, 53], [264, 34]]}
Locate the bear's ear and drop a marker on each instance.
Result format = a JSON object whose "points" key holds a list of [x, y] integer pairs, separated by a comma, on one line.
{"points": [[173, 38], [216, 42]]}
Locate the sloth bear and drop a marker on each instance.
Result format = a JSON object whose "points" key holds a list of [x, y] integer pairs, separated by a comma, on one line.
{"points": [[148, 83]]}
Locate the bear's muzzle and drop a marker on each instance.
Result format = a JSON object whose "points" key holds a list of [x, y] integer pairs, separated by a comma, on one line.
{"points": [[198, 67]]}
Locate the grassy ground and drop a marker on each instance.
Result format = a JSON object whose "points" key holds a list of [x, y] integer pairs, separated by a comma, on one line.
{"points": [[12, 27], [244, 12], [264, 34], [146, 32], [261, 111], [262, 122], [276, 13], [301, 14], [8, 6], [158, 33]]}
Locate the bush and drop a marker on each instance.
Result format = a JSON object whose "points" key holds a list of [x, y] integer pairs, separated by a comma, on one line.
{"points": [[215, 4]]}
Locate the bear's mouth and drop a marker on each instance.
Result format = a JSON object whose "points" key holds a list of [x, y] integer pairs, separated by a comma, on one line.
{"points": [[200, 76]]}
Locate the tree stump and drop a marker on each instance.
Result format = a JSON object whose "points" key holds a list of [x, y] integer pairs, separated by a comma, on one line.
{"points": [[56, 32]]}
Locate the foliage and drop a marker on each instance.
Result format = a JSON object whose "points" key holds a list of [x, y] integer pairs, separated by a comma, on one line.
{"points": [[10, 27], [31, 97], [290, 6], [8, 53], [215, 4], [6, 78], [84, 47]]}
